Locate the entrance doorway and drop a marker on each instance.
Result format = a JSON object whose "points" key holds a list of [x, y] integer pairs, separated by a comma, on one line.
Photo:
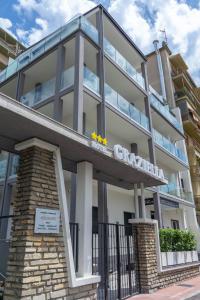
{"points": [[114, 258]]}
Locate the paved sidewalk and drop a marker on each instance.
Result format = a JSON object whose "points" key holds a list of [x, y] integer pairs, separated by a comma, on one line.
{"points": [[188, 289]]}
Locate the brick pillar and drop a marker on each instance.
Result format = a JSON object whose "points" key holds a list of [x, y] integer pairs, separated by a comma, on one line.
{"points": [[37, 266], [146, 254]]}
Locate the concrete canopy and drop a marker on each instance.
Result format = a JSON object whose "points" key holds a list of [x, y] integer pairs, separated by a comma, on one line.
{"points": [[19, 123]]}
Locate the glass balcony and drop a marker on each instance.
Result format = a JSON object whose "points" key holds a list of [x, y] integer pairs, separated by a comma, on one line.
{"points": [[3, 164], [91, 80], [174, 190], [123, 63], [164, 110], [39, 93], [41, 47], [169, 146], [89, 29], [67, 78], [124, 106]]}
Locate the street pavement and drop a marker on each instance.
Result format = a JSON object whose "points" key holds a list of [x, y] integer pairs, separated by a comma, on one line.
{"points": [[185, 290]]}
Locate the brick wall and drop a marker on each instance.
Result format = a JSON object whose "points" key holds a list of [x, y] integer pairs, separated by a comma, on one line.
{"points": [[150, 277], [36, 266]]}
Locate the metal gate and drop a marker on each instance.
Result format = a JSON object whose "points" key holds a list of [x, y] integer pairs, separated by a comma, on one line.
{"points": [[114, 251]]}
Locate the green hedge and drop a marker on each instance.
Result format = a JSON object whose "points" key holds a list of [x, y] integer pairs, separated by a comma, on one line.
{"points": [[176, 240]]}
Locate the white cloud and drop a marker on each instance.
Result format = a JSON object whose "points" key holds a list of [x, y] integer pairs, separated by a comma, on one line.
{"points": [[5, 23], [141, 19]]}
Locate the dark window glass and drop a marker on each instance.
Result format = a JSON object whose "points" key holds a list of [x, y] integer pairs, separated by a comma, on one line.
{"points": [[175, 224], [152, 214], [128, 216], [94, 219]]}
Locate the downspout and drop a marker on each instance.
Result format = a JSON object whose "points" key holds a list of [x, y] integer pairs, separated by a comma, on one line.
{"points": [[160, 71]]}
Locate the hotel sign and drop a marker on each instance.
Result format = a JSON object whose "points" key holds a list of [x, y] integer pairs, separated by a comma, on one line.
{"points": [[137, 161], [47, 220]]}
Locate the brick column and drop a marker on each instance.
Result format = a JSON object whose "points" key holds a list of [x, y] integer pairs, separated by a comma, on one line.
{"points": [[151, 275], [37, 266], [147, 257]]}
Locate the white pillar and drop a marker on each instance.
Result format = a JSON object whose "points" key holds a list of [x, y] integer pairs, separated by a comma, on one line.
{"points": [[184, 218], [84, 217], [136, 204], [143, 201]]}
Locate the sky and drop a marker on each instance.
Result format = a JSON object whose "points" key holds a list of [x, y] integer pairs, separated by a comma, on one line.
{"points": [[143, 20]]}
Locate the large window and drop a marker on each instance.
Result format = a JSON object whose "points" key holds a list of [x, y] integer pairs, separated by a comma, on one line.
{"points": [[94, 219]]}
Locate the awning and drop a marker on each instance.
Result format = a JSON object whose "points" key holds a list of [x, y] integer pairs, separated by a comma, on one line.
{"points": [[19, 123]]}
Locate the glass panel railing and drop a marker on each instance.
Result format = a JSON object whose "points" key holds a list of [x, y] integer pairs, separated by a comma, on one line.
{"points": [[89, 29], [174, 190], [123, 63], [38, 49], [67, 78], [124, 106], [164, 110], [3, 164], [169, 146], [91, 80], [14, 165], [39, 93]]}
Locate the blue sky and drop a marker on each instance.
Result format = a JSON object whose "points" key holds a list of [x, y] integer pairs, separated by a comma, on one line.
{"points": [[31, 20]]}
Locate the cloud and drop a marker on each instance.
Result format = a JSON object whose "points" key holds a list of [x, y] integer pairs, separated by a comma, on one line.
{"points": [[141, 19], [5, 23]]}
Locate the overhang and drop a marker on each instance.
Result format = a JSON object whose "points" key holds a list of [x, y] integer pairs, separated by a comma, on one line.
{"points": [[19, 123]]}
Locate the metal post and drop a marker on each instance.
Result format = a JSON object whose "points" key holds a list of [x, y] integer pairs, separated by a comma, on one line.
{"points": [[157, 206], [143, 201], [136, 201], [78, 83], [118, 262], [20, 85]]}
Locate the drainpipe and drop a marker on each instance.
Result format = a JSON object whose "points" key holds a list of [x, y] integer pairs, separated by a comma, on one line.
{"points": [[160, 70]]}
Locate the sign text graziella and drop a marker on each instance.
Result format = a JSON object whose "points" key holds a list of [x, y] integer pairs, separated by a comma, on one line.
{"points": [[133, 160]]}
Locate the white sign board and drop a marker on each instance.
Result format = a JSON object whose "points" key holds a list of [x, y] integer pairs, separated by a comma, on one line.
{"points": [[47, 220]]}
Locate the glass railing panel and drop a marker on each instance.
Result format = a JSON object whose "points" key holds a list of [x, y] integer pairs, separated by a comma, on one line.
{"points": [[39, 94], [14, 165], [123, 63], [164, 110], [111, 96], [67, 78], [52, 40], [124, 105], [127, 108], [169, 146], [3, 75], [3, 164], [91, 80], [24, 60], [91, 31], [12, 68], [109, 49], [135, 114], [68, 29], [37, 50]]}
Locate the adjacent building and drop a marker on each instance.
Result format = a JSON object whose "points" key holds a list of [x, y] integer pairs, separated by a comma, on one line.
{"points": [[10, 48], [83, 94], [180, 90]]}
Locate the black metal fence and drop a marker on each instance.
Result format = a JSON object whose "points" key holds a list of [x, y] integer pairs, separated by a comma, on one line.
{"points": [[115, 260]]}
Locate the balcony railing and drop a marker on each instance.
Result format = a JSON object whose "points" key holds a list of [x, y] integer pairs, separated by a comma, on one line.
{"points": [[91, 80], [174, 190], [184, 92], [124, 106], [3, 168], [40, 48], [164, 110], [123, 63], [67, 78], [169, 146], [195, 170]]}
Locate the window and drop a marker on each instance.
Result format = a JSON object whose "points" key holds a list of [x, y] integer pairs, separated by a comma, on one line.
{"points": [[94, 219], [152, 213], [128, 216], [175, 224]]}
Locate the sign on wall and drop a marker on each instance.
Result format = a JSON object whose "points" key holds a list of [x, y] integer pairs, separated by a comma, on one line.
{"points": [[47, 220]]}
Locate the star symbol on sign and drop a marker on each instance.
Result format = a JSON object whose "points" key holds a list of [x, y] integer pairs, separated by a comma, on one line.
{"points": [[99, 139], [94, 136], [105, 141]]}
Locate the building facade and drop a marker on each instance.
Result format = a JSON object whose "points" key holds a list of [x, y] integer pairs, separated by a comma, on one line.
{"points": [[10, 48], [83, 94], [181, 91]]}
